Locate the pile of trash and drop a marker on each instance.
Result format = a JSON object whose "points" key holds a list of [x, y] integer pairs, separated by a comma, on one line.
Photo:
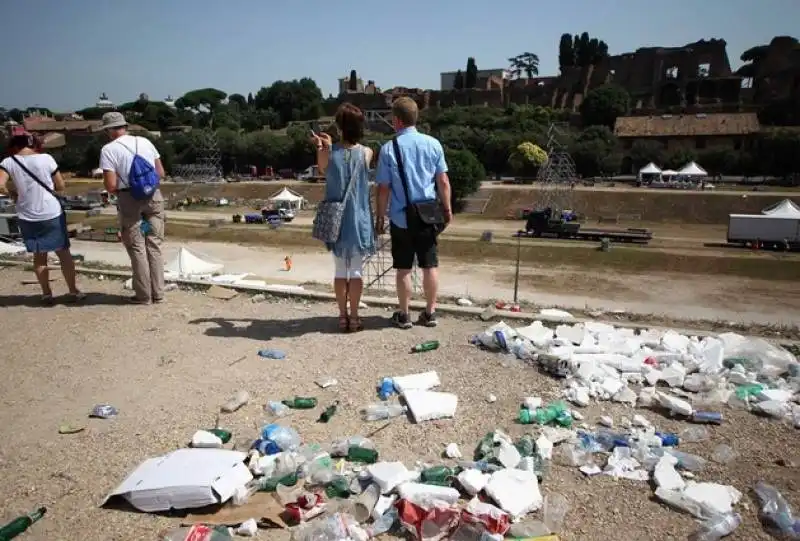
{"points": [[686, 375]]}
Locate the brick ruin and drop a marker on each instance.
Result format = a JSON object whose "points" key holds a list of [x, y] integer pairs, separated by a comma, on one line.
{"points": [[693, 78]]}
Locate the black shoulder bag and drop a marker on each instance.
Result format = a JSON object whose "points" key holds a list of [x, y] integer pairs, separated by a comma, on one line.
{"points": [[423, 216], [39, 182]]}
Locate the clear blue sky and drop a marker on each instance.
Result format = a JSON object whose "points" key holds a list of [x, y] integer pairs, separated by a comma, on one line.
{"points": [[62, 53]]}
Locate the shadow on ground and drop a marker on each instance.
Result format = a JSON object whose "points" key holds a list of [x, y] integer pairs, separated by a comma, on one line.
{"points": [[35, 301], [266, 329]]}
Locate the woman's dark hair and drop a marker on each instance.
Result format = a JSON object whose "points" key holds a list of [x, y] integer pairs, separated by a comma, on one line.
{"points": [[350, 121], [18, 142]]}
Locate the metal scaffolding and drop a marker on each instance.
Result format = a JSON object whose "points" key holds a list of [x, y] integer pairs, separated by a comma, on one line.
{"points": [[378, 271], [557, 176], [207, 166]]}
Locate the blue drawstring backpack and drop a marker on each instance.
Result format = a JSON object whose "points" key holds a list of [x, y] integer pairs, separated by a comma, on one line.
{"points": [[143, 180]]}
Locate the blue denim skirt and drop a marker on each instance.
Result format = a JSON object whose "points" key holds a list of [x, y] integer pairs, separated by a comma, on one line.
{"points": [[45, 236]]}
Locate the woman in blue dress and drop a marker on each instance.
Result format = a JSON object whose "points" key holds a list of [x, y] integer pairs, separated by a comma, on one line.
{"points": [[348, 162]]}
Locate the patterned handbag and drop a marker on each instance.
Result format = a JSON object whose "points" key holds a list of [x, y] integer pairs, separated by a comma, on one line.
{"points": [[328, 221]]}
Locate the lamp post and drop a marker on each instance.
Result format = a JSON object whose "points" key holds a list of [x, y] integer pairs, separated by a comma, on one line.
{"points": [[516, 273]]}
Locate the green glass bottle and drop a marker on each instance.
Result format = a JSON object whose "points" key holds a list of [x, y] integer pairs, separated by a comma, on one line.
{"points": [[221, 433], [301, 402], [430, 345], [338, 488], [271, 484], [20, 524], [438, 475], [362, 454], [329, 412]]}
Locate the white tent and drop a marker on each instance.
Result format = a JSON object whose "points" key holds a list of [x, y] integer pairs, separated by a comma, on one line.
{"points": [[691, 169], [288, 197], [668, 173], [650, 169], [784, 209], [189, 265]]}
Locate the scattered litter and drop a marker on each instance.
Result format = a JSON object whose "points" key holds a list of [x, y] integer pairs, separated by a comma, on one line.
{"points": [[104, 411], [271, 354], [491, 399], [235, 402], [324, 383], [452, 451], [69, 428]]}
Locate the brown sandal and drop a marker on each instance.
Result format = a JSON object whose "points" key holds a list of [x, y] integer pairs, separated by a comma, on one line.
{"points": [[344, 323], [356, 324]]}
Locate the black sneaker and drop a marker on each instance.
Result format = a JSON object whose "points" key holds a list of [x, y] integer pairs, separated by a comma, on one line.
{"points": [[401, 320], [427, 320]]}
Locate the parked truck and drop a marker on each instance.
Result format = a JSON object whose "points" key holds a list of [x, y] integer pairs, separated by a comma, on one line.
{"points": [[764, 230]]}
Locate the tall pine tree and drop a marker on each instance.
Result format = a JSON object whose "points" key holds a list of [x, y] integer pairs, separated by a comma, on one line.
{"points": [[471, 77], [458, 81], [566, 52]]}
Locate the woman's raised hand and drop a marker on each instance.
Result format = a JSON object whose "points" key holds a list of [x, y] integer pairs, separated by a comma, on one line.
{"points": [[321, 140]]}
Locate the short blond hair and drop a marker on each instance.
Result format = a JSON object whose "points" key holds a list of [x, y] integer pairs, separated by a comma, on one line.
{"points": [[405, 110]]}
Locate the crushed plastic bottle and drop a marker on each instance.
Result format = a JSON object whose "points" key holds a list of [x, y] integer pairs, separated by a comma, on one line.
{"points": [[104, 411], [775, 511], [694, 434], [384, 523], [235, 402], [286, 438], [386, 389], [717, 527], [278, 409]]}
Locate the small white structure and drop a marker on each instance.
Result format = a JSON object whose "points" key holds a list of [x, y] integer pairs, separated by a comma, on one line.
{"points": [[191, 266], [691, 169], [785, 209], [669, 173], [650, 169], [287, 198]]}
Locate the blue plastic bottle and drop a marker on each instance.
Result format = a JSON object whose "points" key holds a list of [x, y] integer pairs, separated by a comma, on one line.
{"points": [[386, 388]]}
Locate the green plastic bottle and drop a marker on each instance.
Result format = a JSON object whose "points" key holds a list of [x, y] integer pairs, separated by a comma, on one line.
{"points": [[430, 345], [552, 413], [329, 412], [301, 402], [356, 453], [438, 475], [20, 524]]}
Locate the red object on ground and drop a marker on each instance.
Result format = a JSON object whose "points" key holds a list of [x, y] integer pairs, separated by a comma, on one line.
{"points": [[500, 305]]}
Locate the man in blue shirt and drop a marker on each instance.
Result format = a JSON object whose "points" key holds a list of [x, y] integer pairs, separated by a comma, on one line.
{"points": [[425, 169]]}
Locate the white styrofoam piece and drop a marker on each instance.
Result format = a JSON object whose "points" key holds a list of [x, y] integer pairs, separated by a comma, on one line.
{"points": [[430, 405], [388, 475], [417, 382], [473, 481], [515, 491], [184, 479]]}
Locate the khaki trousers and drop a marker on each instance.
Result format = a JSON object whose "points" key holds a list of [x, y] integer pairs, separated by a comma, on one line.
{"points": [[147, 261]]}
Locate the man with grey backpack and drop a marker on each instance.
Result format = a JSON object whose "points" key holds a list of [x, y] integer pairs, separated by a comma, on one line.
{"points": [[132, 169]]}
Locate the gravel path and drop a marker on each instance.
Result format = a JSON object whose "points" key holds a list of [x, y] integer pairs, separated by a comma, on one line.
{"points": [[168, 367]]}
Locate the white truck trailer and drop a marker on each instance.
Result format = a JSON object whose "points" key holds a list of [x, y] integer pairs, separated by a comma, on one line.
{"points": [[769, 231]]}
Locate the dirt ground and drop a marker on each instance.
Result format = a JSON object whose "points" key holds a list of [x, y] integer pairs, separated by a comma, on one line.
{"points": [[672, 295], [168, 367]]}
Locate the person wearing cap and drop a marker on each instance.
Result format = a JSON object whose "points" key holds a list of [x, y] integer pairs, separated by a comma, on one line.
{"points": [[142, 243]]}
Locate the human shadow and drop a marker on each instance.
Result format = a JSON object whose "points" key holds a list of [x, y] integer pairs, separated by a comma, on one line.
{"points": [[35, 301], [266, 329]]}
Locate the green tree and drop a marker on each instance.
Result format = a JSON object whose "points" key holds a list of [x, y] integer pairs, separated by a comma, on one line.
{"points": [[720, 161], [678, 158], [205, 99], [458, 81], [471, 76], [566, 52], [250, 100], [644, 152], [778, 153], [466, 173], [527, 158], [604, 104], [527, 63], [291, 100], [352, 82], [238, 100]]}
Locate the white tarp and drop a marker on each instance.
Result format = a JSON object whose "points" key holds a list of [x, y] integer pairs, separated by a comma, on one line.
{"points": [[187, 264], [287, 196], [784, 209], [691, 169], [668, 173], [650, 169]]}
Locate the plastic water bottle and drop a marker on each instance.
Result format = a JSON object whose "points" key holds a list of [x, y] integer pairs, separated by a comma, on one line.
{"points": [[384, 523], [717, 527], [379, 412]]}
